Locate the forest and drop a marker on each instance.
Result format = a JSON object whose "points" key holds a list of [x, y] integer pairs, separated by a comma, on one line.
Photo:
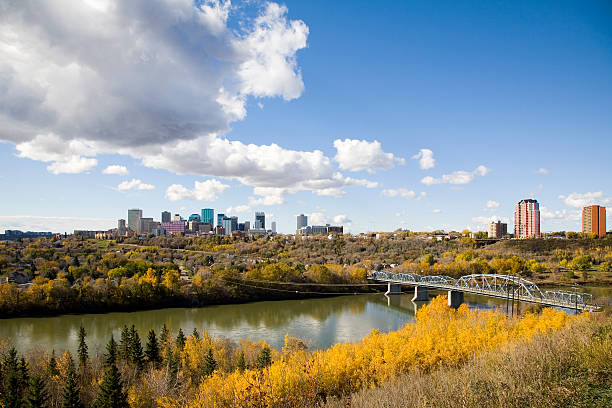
{"points": [[54, 276]]}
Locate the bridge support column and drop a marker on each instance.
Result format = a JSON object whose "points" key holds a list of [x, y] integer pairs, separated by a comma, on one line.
{"points": [[420, 294], [455, 299], [393, 289]]}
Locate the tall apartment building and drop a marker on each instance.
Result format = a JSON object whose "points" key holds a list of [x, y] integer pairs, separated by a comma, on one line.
{"points": [[273, 226], [302, 221], [594, 220], [208, 216], [166, 216], [527, 219], [121, 229], [260, 220], [220, 218], [134, 216], [498, 229]]}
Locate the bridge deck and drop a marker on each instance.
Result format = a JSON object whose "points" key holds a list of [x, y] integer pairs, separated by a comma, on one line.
{"points": [[503, 290]]}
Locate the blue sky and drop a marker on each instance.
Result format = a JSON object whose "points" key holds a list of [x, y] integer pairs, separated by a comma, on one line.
{"points": [[515, 95]]}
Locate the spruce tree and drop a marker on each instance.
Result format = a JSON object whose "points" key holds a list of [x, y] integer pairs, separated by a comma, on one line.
{"points": [[152, 349], [135, 348], [52, 365], [241, 363], [37, 395], [164, 335], [82, 350], [195, 334], [209, 364], [71, 394], [124, 344], [172, 368], [111, 394], [264, 359], [11, 397], [180, 340]]}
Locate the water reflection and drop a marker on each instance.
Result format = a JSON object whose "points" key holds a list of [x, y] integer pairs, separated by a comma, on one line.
{"points": [[320, 322]]}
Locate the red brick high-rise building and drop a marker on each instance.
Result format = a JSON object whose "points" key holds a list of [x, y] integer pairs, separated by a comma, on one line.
{"points": [[594, 220], [527, 219]]}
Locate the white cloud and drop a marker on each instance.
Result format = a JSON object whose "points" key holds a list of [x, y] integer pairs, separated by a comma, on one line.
{"points": [[456, 177], [542, 170], [116, 169], [238, 209], [341, 219], [579, 200], [320, 218], [356, 155], [436, 211], [207, 190], [72, 165], [492, 205], [54, 224], [399, 192], [547, 214], [134, 184], [485, 220], [425, 158]]}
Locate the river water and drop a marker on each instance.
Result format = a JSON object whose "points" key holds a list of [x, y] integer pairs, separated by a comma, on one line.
{"points": [[319, 322]]}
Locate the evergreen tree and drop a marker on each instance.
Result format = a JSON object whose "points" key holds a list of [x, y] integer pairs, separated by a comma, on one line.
{"points": [[82, 350], [209, 363], [52, 365], [264, 359], [23, 374], [241, 363], [164, 335], [11, 397], [36, 396], [110, 357], [124, 344], [135, 348], [195, 334], [152, 349], [180, 340], [111, 394], [172, 368], [71, 394]]}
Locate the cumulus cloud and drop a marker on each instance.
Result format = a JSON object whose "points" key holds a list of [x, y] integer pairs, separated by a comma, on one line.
{"points": [[579, 200], [485, 220], [542, 170], [116, 169], [492, 205], [208, 190], [66, 157], [425, 158], [456, 177], [72, 165], [436, 211], [134, 184], [238, 209], [356, 155], [402, 192], [319, 218], [551, 215], [341, 219]]}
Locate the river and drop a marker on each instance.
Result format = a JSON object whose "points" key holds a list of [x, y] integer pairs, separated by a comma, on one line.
{"points": [[319, 322]]}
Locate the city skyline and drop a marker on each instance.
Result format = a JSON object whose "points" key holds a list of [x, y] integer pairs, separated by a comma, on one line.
{"points": [[456, 114]]}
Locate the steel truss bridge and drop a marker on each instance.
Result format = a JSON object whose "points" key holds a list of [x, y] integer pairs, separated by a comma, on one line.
{"points": [[498, 286]]}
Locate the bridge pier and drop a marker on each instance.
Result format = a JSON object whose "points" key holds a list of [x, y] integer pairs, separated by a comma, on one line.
{"points": [[420, 294], [455, 299], [393, 289]]}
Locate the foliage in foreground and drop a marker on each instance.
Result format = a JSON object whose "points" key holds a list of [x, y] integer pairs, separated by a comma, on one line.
{"points": [[569, 368], [441, 337]]}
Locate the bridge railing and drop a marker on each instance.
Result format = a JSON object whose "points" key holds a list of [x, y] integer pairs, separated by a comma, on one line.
{"points": [[493, 284]]}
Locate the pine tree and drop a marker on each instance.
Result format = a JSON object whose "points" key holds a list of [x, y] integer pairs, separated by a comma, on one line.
{"points": [[195, 334], [12, 389], [71, 394], [111, 393], [164, 335], [124, 344], [82, 350], [172, 368], [23, 374], [180, 340], [209, 364], [135, 348], [152, 349], [111, 352], [264, 359], [52, 365], [241, 363], [36, 396]]}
